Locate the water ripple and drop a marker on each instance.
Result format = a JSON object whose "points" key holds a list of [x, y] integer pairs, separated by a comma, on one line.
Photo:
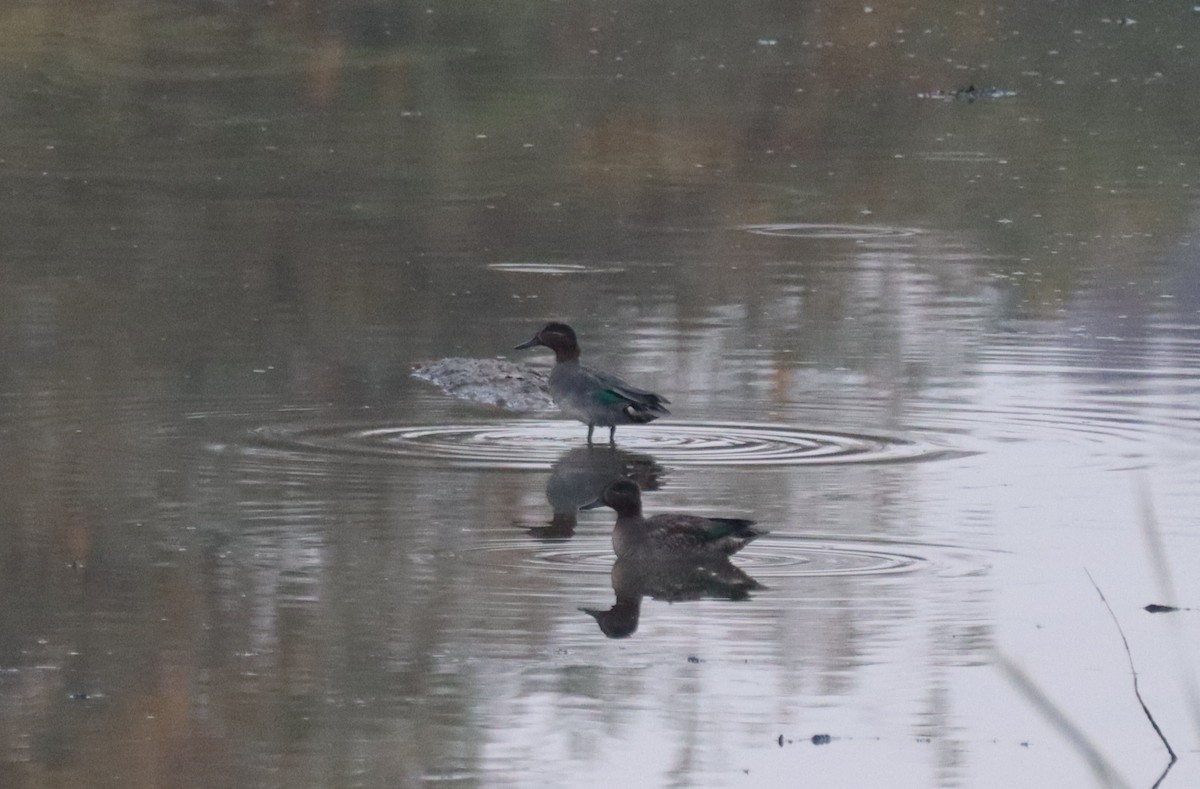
{"points": [[834, 231], [553, 269], [772, 557], [536, 444]]}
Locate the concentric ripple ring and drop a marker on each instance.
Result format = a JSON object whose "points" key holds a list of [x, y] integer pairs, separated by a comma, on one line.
{"points": [[771, 558], [536, 444]]}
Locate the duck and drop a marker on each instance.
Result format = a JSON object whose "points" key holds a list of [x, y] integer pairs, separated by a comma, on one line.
{"points": [[589, 395], [670, 536]]}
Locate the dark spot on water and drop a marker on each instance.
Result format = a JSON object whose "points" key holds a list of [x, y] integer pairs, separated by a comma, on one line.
{"points": [[1155, 608], [693, 659], [821, 739], [80, 696], [781, 741]]}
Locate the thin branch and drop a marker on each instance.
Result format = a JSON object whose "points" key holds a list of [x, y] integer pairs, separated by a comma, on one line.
{"points": [[1154, 544], [1166, 587], [1103, 770], [1133, 670]]}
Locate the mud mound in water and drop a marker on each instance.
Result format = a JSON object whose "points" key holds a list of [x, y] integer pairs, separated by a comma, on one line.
{"points": [[491, 381]]}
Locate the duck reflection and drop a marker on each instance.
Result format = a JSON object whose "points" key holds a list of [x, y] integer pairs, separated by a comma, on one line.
{"points": [[673, 579], [672, 557], [580, 476]]}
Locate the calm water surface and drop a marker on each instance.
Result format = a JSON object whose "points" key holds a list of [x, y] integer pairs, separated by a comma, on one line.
{"points": [[946, 351]]}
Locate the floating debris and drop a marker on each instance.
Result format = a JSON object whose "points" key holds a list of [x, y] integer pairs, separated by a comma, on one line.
{"points": [[509, 385], [968, 94], [816, 739], [1156, 608]]}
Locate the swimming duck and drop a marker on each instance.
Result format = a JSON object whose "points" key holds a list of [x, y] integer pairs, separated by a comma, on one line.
{"points": [[591, 396], [670, 535]]}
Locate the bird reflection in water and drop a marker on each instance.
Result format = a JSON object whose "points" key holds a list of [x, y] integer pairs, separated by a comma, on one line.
{"points": [[580, 475], [670, 579], [672, 557]]}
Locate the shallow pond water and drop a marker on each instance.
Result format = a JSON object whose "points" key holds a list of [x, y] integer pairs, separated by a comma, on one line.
{"points": [[944, 347]]}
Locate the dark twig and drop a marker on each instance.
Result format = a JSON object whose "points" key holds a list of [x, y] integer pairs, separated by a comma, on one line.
{"points": [[1166, 587], [1154, 544], [1133, 670]]}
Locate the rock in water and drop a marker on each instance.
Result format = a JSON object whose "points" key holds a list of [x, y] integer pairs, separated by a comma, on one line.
{"points": [[489, 381]]}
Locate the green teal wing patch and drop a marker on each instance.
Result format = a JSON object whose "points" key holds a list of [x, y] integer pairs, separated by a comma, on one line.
{"points": [[609, 397]]}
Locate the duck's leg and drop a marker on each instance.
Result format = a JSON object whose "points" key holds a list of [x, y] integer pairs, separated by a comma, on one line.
{"points": [[612, 434], [591, 427]]}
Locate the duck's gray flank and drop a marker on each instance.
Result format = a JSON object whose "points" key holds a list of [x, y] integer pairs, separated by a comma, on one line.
{"points": [[670, 536]]}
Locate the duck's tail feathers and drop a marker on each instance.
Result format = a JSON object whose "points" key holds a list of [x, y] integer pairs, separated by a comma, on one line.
{"points": [[640, 405], [642, 413]]}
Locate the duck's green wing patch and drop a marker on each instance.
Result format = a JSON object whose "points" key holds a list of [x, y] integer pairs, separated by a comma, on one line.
{"points": [[718, 528], [609, 397], [612, 390]]}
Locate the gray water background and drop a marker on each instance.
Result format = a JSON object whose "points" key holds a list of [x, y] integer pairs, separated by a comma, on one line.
{"points": [[241, 546]]}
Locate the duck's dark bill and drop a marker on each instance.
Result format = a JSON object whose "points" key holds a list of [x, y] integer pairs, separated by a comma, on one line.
{"points": [[594, 505], [532, 341]]}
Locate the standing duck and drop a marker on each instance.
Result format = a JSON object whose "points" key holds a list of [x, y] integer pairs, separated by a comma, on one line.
{"points": [[670, 536], [591, 396]]}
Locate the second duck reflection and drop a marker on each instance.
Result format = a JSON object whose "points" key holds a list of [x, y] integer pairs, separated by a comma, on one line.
{"points": [[671, 556]]}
